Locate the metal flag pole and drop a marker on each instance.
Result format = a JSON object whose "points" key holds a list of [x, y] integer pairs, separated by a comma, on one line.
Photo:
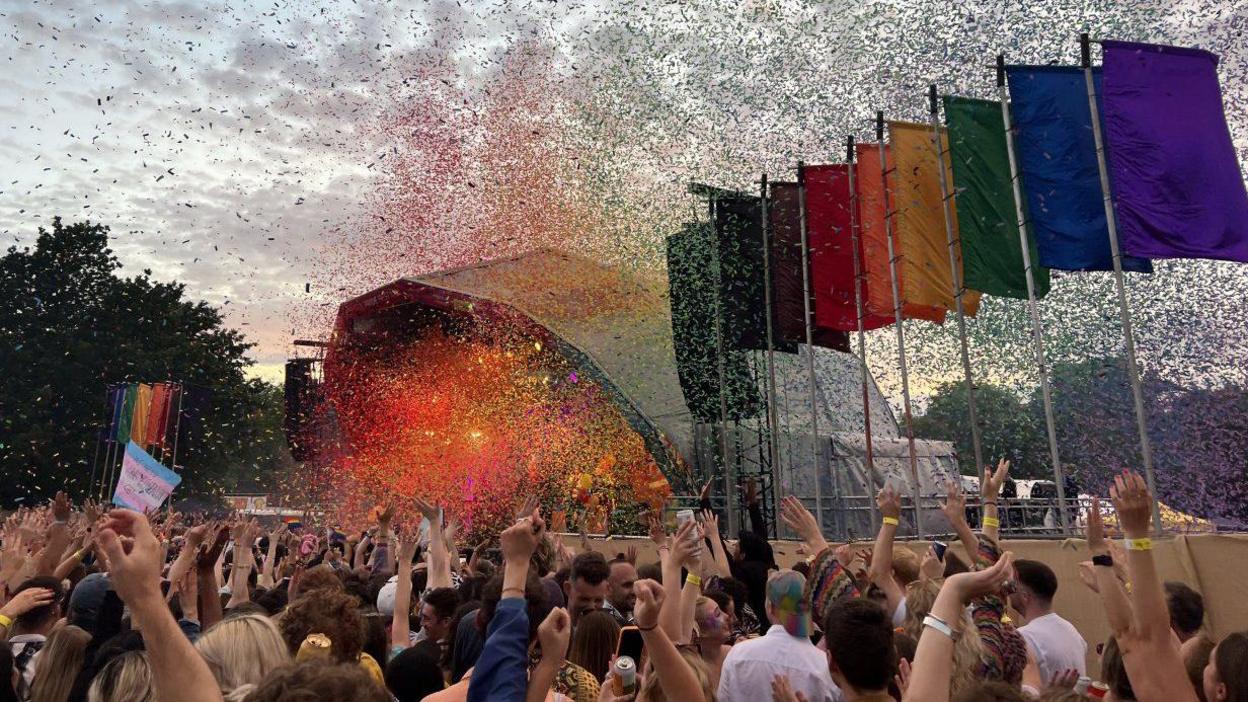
{"points": [[773, 422], [95, 460], [1037, 328], [1111, 222], [862, 343], [177, 429], [955, 270], [810, 343], [729, 488], [898, 324]]}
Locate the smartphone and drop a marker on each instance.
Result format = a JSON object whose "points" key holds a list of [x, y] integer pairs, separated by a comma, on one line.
{"points": [[684, 515], [939, 548], [630, 643]]}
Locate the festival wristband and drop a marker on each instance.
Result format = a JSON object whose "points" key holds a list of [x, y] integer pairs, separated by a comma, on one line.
{"points": [[991, 522], [1144, 544], [938, 624], [693, 579], [891, 521], [6, 622]]}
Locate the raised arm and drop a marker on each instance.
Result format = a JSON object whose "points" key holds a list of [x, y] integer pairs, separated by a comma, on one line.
{"points": [[267, 578], [1113, 597], [209, 584], [719, 556], [178, 671], [933, 660], [400, 624], [881, 571], [990, 492], [685, 550], [439, 559], [553, 633], [954, 510], [58, 535], [190, 550], [1149, 653], [676, 678]]}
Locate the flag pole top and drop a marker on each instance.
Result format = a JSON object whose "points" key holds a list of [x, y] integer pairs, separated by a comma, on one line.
{"points": [[849, 149], [879, 126], [932, 99], [1085, 50], [1000, 70]]}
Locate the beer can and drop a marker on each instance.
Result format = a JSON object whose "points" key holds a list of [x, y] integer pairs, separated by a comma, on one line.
{"points": [[625, 682], [1098, 690]]}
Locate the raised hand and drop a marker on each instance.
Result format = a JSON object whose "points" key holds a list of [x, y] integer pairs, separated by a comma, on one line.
{"points": [[61, 508], [1133, 502], [888, 500], [1095, 530], [954, 507], [428, 510], [686, 548], [195, 536], [526, 507], [650, 596], [13, 557], [554, 633], [710, 522], [384, 519], [705, 492], [133, 556], [751, 492], [520, 539], [902, 678], [990, 486], [657, 533], [979, 583], [802, 522], [931, 568]]}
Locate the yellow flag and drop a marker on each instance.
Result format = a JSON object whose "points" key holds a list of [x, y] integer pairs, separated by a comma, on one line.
{"points": [[138, 424], [920, 218]]}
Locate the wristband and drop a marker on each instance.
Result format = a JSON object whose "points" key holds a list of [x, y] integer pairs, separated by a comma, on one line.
{"points": [[6, 622], [933, 622], [513, 589], [693, 579], [1144, 544], [648, 628], [78, 555], [1103, 560], [891, 521], [991, 522], [992, 502]]}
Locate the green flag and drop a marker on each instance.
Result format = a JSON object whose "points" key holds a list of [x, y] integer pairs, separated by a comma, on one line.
{"points": [[991, 256], [694, 290], [127, 413]]}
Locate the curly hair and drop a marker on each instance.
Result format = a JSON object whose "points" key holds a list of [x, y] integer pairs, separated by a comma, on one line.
{"points": [[323, 611], [320, 577], [315, 681]]}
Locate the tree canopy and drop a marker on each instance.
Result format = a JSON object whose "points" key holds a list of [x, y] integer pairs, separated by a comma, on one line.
{"points": [[71, 325]]}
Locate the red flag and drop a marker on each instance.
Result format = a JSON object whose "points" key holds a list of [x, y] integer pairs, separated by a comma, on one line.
{"points": [[832, 252]]}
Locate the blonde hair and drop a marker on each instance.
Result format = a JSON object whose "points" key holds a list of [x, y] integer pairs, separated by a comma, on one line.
{"points": [[241, 652], [126, 678], [905, 565], [651, 691], [969, 648], [59, 663]]}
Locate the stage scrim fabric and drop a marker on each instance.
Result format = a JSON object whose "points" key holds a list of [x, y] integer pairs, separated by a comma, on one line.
{"points": [[828, 225], [739, 238], [920, 222], [787, 283], [992, 257], [1178, 186], [875, 240]]}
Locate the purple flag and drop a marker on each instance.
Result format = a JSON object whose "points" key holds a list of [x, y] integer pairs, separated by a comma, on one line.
{"points": [[1177, 185]]}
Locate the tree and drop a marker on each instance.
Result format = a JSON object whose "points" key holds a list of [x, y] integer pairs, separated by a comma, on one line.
{"points": [[70, 325], [1007, 429]]}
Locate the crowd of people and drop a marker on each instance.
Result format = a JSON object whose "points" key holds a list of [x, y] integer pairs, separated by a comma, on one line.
{"points": [[117, 606]]}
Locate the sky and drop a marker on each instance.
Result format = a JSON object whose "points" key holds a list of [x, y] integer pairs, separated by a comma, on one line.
{"points": [[278, 158]]}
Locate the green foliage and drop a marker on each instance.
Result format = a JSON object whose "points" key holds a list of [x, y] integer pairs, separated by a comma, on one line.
{"points": [[70, 325], [1007, 428]]}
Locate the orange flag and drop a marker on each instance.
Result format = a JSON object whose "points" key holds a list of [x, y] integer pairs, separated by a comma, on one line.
{"points": [[138, 423], [874, 237], [919, 225], [158, 416]]}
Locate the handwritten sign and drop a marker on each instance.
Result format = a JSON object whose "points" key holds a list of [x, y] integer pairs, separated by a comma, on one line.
{"points": [[144, 483]]}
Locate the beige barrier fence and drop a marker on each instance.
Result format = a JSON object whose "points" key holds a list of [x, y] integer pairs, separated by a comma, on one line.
{"points": [[1216, 565]]}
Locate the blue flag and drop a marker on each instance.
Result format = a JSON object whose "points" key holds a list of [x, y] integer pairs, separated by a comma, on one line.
{"points": [[1057, 161]]}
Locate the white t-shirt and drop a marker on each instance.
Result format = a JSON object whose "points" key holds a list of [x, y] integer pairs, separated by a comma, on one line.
{"points": [[1056, 645]]}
